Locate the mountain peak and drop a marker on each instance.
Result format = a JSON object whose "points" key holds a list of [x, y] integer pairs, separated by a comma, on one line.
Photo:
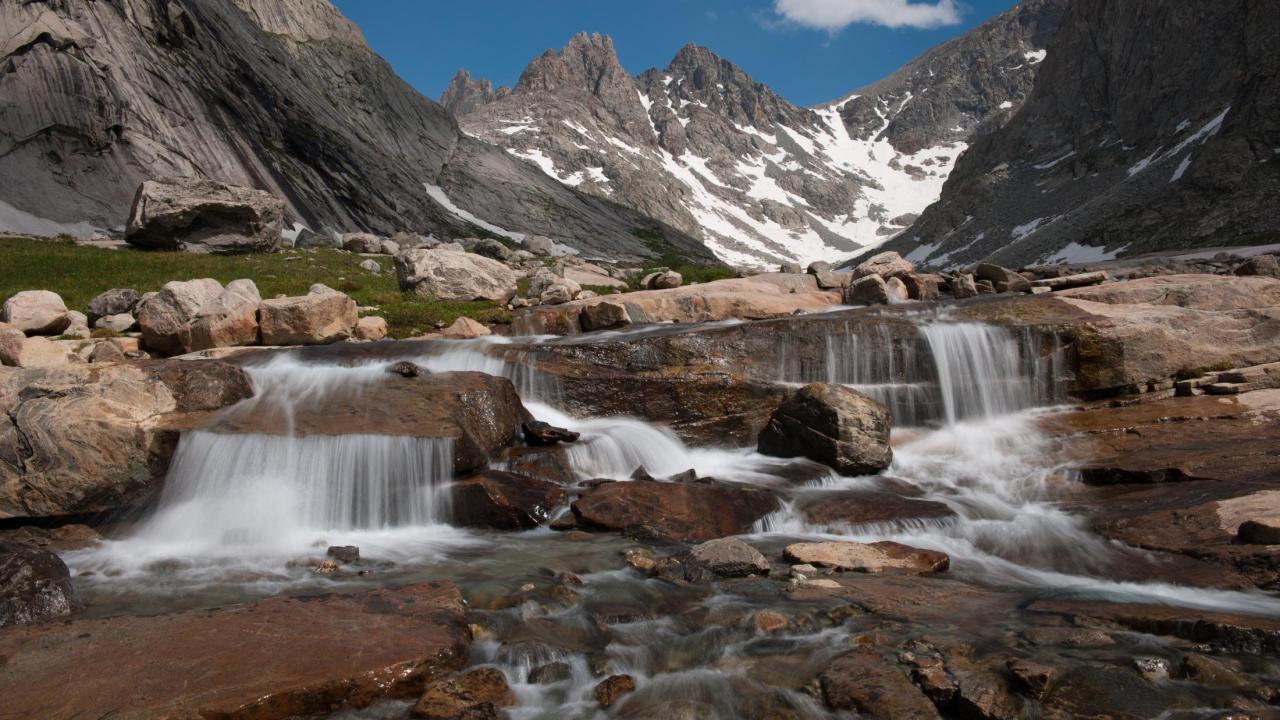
{"points": [[588, 62], [466, 93]]}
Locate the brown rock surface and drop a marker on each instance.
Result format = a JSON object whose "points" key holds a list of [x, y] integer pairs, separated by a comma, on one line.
{"points": [[319, 317], [279, 658], [503, 501], [868, 557], [833, 425], [229, 320], [871, 684], [612, 688], [478, 694], [690, 512]]}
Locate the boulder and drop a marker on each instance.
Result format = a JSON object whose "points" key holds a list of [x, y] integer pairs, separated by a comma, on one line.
{"points": [[490, 248], [1002, 279], [540, 245], [1264, 265], [36, 312], [558, 293], [454, 275], [830, 424], [106, 352], [920, 286], [868, 557], [612, 688], [832, 280], [867, 290], [791, 268], [886, 264], [77, 326], [164, 316], [662, 280], [724, 557], [204, 216], [963, 286], [321, 316], [503, 501], [18, 350], [389, 247], [687, 512], [121, 323], [542, 434], [478, 694], [372, 328], [464, 328], [604, 315], [117, 301], [35, 585], [818, 267], [275, 659], [229, 320], [371, 266], [896, 290], [362, 243], [1252, 532]]}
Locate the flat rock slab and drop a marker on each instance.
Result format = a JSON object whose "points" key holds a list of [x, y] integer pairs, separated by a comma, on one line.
{"points": [[279, 658], [1226, 632]]}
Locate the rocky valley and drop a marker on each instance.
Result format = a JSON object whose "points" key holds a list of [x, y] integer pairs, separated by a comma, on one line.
{"points": [[597, 396]]}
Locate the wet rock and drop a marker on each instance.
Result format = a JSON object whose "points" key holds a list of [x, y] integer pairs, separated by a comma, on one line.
{"points": [[550, 673], [464, 328], [1032, 678], [688, 512], [204, 216], [612, 688], [454, 275], [57, 539], [1090, 690], [279, 658], [1152, 669], [871, 558], [1212, 671], [164, 316], [865, 682], [229, 320], [869, 507], [34, 585], [1079, 637], [363, 243], [346, 554], [404, 369], [321, 316], [724, 557], [604, 315], [867, 290], [503, 501], [543, 434], [1222, 631], [886, 264], [830, 424], [35, 312], [117, 301], [1256, 533], [1131, 476], [370, 329], [768, 621], [478, 694]]}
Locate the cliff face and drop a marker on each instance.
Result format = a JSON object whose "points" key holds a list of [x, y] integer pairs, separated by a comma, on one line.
{"points": [[279, 94], [1152, 125], [704, 147]]}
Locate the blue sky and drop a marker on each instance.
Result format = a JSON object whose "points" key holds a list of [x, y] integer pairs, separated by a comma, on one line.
{"points": [[809, 51]]}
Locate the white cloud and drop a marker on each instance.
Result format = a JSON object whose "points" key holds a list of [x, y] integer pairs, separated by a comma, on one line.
{"points": [[835, 15]]}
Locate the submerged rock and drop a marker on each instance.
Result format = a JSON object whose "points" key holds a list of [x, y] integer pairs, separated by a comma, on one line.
{"points": [[689, 512], [34, 585], [503, 501], [612, 688], [830, 424]]}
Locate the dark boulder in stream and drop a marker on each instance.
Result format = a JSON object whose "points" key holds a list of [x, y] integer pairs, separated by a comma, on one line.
{"points": [[831, 424], [34, 585], [503, 501], [689, 512]]}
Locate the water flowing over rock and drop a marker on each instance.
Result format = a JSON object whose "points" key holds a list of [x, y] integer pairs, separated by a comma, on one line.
{"points": [[276, 659], [869, 683], [204, 216], [454, 275], [479, 694], [503, 501], [34, 586], [830, 424]]}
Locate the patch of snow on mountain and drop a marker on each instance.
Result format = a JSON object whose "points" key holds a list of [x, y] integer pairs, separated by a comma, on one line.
{"points": [[1035, 57], [1075, 253], [437, 194]]}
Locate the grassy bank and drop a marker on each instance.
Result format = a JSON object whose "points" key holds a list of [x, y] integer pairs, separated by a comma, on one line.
{"points": [[78, 273]]}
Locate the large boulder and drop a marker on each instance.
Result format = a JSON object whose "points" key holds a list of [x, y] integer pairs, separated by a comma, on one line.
{"points": [[371, 328], [687, 512], [164, 316], [117, 301], [886, 265], [490, 248], [454, 275], [204, 216], [228, 320], [1002, 279], [604, 315], [503, 501], [867, 290], [831, 424], [540, 245], [662, 280], [321, 316], [363, 243], [724, 557], [36, 312], [18, 350], [34, 585]]}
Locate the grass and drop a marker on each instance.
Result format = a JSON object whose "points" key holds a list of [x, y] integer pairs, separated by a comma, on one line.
{"points": [[78, 273], [671, 258]]}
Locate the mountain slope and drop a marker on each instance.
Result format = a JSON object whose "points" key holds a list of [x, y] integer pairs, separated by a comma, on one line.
{"points": [[279, 94], [705, 148], [1152, 125]]}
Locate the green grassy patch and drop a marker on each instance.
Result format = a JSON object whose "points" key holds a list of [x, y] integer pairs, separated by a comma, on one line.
{"points": [[78, 273]]}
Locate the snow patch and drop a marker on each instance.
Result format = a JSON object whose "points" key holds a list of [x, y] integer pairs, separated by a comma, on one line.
{"points": [[437, 193], [1075, 253], [1006, 105], [1182, 169], [1035, 57]]}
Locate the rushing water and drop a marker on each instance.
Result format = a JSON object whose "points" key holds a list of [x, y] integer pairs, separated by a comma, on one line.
{"points": [[238, 509]]}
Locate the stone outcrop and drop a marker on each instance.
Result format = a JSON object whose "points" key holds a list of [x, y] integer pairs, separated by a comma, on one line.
{"points": [[202, 215], [35, 312], [34, 586], [830, 424], [454, 275], [321, 316], [886, 265], [686, 511], [279, 658]]}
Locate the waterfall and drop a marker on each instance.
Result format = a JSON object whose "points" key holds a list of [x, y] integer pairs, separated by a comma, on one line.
{"points": [[979, 369]]}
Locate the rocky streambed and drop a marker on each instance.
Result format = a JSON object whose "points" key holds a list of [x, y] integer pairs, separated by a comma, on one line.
{"points": [[1012, 506]]}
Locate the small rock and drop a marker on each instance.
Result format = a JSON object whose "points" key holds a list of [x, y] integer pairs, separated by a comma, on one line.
{"points": [[540, 245], [78, 327], [106, 352], [832, 280], [35, 585], [389, 247], [886, 264], [18, 350], [464, 328], [490, 248], [830, 424], [963, 286], [371, 328], [542, 434], [404, 368], [868, 557], [868, 290], [371, 266], [768, 621], [662, 280], [641, 559], [557, 294], [362, 243], [1032, 678], [818, 267], [1154, 669], [325, 567], [725, 557], [896, 290], [117, 301], [345, 554], [36, 312], [612, 688], [791, 268], [604, 315], [121, 323]]}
